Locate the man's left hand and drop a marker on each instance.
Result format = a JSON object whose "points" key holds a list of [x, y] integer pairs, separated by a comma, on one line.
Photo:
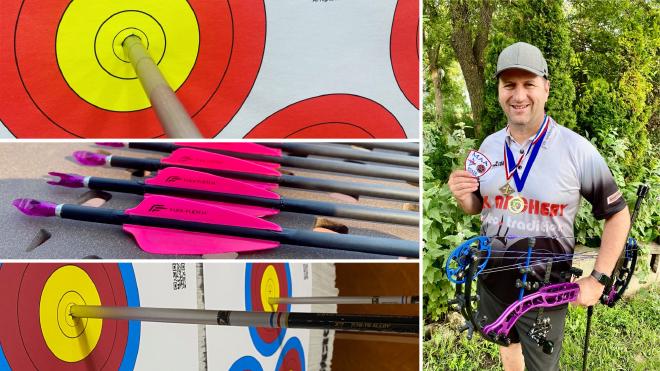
{"points": [[590, 291]]}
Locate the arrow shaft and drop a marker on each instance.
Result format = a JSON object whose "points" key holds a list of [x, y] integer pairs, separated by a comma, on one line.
{"points": [[386, 172], [173, 116], [373, 245], [412, 148], [330, 321], [326, 185], [283, 204], [346, 300], [347, 153]]}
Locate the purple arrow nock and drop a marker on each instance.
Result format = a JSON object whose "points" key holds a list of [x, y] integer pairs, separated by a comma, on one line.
{"points": [[32, 207], [90, 158], [67, 180], [111, 144]]}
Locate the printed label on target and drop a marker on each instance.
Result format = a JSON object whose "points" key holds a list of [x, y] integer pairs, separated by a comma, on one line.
{"points": [[477, 163]]}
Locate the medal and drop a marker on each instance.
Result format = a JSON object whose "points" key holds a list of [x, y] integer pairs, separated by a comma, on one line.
{"points": [[506, 189], [516, 205]]}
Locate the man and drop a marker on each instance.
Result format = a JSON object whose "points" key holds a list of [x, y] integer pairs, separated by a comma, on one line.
{"points": [[540, 171]]}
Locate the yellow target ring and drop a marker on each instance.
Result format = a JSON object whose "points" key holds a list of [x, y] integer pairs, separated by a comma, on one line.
{"points": [[69, 339], [270, 288], [91, 57]]}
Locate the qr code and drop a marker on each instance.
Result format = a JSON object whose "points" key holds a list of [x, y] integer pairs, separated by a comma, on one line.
{"points": [[179, 276]]}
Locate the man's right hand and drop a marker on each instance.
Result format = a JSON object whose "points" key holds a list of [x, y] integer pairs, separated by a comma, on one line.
{"points": [[463, 185]]}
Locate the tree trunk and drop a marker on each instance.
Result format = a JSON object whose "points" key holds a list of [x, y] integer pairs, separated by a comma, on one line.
{"points": [[470, 51]]}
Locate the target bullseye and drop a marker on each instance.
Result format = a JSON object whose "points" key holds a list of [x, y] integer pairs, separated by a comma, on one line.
{"points": [[37, 330], [90, 55], [270, 288], [70, 340], [262, 280]]}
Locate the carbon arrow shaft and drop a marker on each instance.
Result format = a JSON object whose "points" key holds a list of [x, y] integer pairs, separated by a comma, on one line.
{"points": [[283, 204], [412, 148], [351, 188], [386, 172], [329, 321], [346, 300], [373, 245], [347, 153]]}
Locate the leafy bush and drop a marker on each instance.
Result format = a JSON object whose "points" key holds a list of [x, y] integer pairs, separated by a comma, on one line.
{"points": [[445, 224]]}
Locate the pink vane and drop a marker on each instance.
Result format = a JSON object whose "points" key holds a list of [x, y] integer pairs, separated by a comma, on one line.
{"points": [[244, 147], [167, 241], [216, 161], [190, 179], [477, 163]]}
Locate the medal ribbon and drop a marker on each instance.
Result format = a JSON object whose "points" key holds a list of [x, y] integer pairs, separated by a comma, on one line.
{"points": [[534, 147]]}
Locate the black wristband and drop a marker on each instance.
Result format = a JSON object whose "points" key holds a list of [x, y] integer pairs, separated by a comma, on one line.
{"points": [[602, 278]]}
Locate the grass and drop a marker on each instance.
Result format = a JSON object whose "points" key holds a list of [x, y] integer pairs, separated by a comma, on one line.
{"points": [[626, 337]]}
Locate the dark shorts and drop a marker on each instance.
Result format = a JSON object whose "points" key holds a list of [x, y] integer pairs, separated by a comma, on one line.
{"points": [[535, 359]]}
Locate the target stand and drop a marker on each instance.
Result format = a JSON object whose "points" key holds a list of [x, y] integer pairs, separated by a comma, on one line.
{"points": [[38, 331]]}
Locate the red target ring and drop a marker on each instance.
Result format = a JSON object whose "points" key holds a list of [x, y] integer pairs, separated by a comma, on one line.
{"points": [[41, 104], [21, 337], [404, 49], [330, 116]]}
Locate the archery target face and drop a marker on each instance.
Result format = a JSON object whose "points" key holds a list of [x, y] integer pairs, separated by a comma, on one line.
{"points": [[252, 348], [39, 333], [69, 75], [255, 68]]}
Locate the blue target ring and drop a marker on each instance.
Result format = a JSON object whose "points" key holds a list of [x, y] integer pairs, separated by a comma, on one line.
{"points": [[134, 329], [246, 363], [292, 356], [266, 346]]}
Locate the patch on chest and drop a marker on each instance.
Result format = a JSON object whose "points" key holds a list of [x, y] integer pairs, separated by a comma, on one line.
{"points": [[477, 163]]}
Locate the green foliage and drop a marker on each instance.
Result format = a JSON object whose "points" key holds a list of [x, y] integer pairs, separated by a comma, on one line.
{"points": [[445, 224], [543, 24], [624, 337]]}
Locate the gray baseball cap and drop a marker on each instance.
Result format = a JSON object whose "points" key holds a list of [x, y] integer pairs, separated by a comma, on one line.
{"points": [[523, 56]]}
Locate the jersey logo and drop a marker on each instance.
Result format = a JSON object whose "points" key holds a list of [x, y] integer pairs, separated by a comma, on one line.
{"points": [[613, 197]]}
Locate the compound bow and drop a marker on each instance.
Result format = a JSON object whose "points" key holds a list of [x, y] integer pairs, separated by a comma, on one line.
{"points": [[469, 260]]}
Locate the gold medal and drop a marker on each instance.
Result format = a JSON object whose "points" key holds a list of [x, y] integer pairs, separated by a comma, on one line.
{"points": [[506, 189], [516, 205]]}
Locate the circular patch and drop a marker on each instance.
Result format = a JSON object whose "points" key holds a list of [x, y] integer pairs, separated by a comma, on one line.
{"points": [[73, 79], [292, 357], [335, 116], [246, 363], [35, 322], [404, 49], [262, 280]]}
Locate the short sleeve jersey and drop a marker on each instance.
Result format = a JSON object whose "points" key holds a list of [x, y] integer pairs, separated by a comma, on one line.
{"points": [[566, 168]]}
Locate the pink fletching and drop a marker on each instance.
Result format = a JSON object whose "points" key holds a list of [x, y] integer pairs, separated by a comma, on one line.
{"points": [[253, 148], [191, 179], [167, 241], [194, 211], [204, 159]]}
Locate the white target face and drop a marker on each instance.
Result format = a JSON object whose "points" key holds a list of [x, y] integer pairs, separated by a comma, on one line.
{"points": [[241, 68]]}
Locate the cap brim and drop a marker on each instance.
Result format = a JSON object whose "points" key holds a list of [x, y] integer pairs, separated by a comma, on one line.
{"points": [[519, 67]]}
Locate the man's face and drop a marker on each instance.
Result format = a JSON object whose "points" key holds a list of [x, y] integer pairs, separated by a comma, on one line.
{"points": [[522, 96]]}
